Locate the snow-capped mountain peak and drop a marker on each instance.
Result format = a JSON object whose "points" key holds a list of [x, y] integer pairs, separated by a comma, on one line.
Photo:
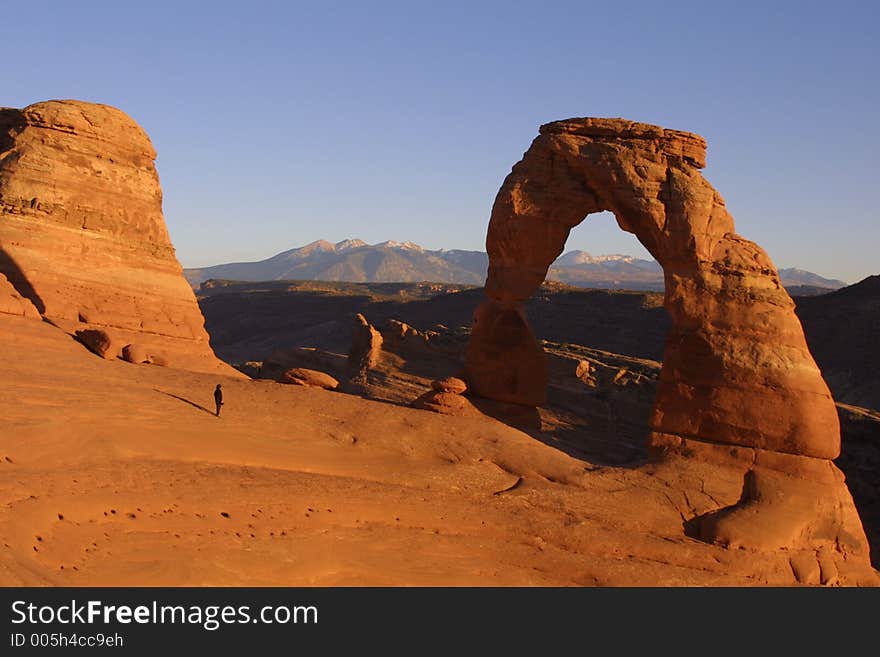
{"points": [[346, 245], [406, 246], [584, 258]]}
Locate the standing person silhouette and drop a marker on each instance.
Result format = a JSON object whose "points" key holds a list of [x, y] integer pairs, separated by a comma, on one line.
{"points": [[218, 398]]}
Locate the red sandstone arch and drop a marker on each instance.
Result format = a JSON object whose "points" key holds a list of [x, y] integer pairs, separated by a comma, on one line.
{"points": [[736, 368], [741, 404]]}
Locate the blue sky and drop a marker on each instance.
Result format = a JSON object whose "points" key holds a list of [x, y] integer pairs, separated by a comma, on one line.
{"points": [[280, 123]]}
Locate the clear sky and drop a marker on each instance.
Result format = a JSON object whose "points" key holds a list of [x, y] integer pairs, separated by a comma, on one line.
{"points": [[281, 123]]}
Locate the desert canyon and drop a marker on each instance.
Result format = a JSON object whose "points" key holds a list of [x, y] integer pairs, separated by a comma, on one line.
{"points": [[376, 451]]}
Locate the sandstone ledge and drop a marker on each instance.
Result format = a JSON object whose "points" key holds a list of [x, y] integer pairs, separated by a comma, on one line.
{"points": [[674, 142]]}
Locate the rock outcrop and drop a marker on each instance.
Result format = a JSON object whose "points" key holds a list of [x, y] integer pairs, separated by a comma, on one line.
{"points": [[82, 236], [140, 354], [282, 360], [445, 403], [99, 342], [366, 348], [738, 388], [445, 396], [300, 376], [450, 384], [13, 303]]}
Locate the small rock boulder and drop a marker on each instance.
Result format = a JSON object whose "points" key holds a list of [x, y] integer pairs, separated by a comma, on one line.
{"points": [[450, 384], [138, 353], [135, 353], [300, 376], [446, 403], [99, 342]]}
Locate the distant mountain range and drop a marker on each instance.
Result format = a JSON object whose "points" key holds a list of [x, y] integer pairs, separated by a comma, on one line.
{"points": [[405, 262]]}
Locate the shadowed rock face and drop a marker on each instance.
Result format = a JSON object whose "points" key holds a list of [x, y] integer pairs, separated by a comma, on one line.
{"points": [[82, 234], [736, 367], [738, 392]]}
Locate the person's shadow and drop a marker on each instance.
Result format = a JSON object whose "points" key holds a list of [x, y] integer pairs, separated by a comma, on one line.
{"points": [[187, 401]]}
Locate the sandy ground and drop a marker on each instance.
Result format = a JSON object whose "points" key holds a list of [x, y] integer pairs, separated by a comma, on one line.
{"points": [[118, 474]]}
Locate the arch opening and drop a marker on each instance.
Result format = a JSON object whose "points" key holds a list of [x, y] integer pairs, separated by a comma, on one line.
{"points": [[599, 254]]}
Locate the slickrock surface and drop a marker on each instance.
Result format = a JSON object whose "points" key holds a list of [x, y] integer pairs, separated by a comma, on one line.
{"points": [[82, 235], [599, 401], [738, 390], [298, 486]]}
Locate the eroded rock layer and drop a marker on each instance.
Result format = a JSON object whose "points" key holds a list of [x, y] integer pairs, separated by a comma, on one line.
{"points": [[82, 235], [738, 388]]}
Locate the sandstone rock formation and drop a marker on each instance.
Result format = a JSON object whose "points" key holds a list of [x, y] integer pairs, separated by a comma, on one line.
{"points": [[738, 388], [445, 396], [600, 376], [139, 354], [135, 353], [99, 342], [450, 384], [366, 347], [400, 331], [402, 338], [82, 235], [300, 376], [12, 303], [445, 403], [282, 360]]}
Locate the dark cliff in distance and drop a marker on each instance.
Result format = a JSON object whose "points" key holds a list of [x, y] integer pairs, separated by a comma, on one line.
{"points": [[842, 329]]}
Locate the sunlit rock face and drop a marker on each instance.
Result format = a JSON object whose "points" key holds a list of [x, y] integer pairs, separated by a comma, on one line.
{"points": [[736, 368], [738, 388], [82, 236]]}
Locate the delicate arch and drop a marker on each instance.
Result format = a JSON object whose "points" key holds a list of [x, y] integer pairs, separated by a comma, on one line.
{"points": [[736, 367]]}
